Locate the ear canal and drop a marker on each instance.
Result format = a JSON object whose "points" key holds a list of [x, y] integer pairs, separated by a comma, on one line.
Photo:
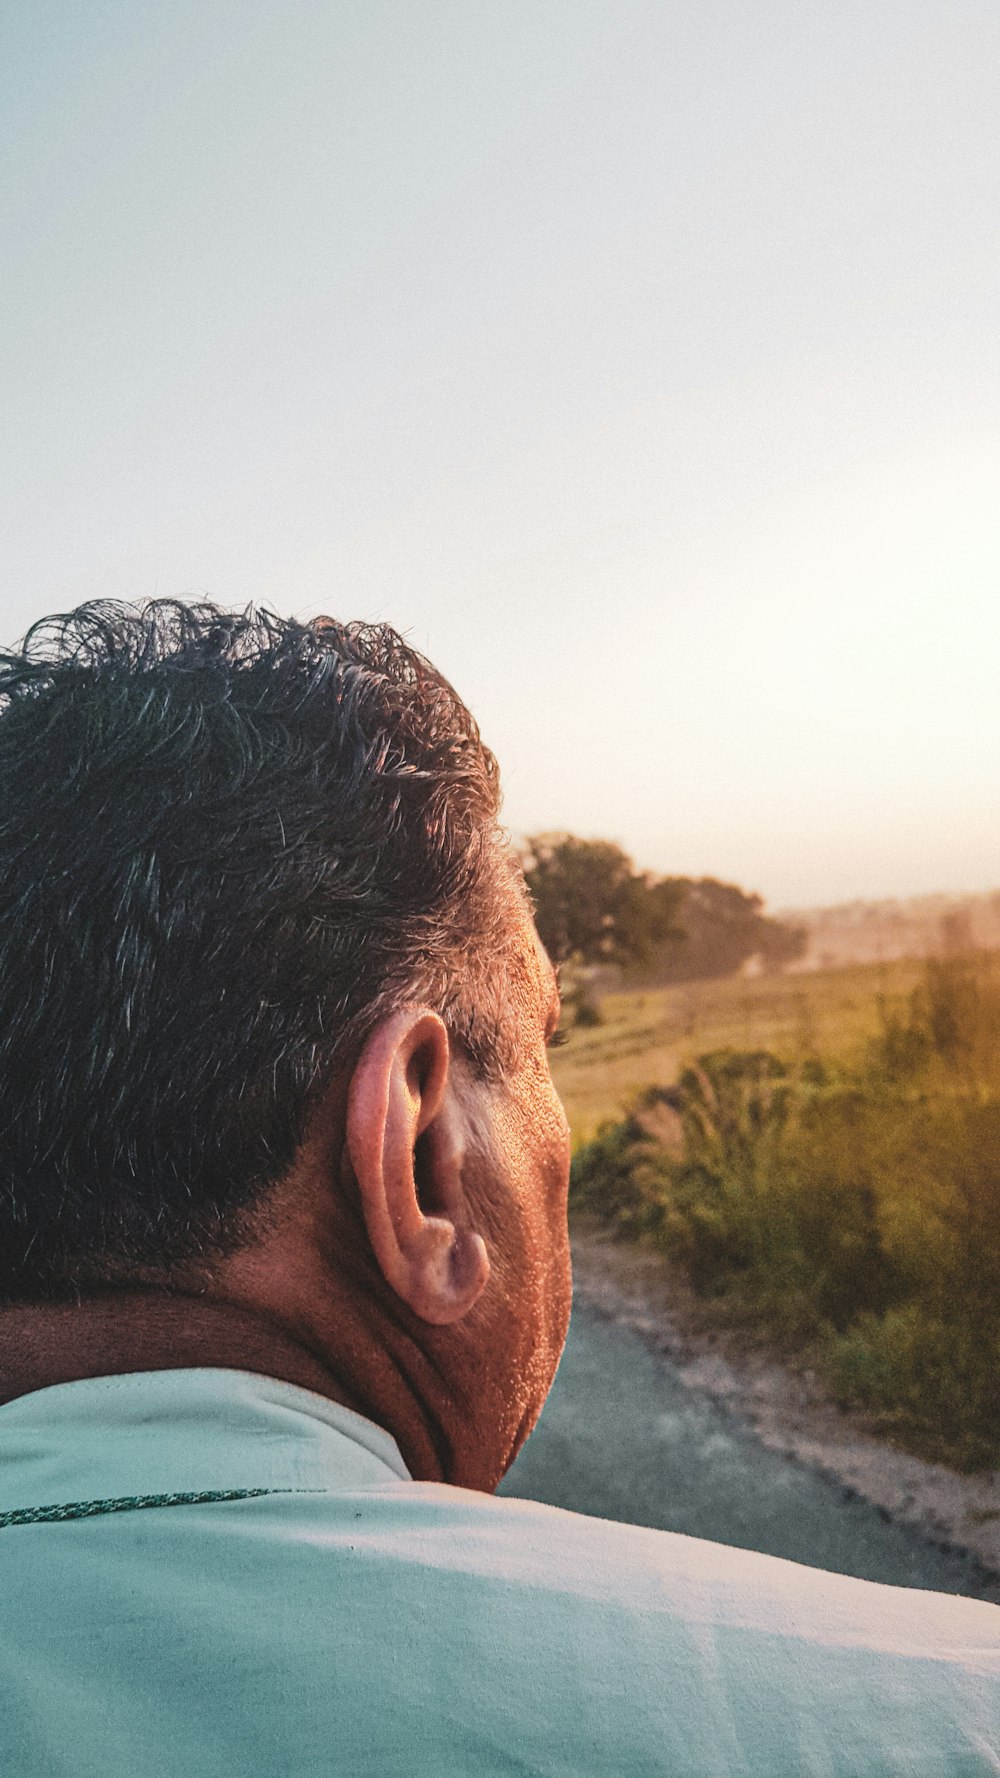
{"points": [[428, 1196]]}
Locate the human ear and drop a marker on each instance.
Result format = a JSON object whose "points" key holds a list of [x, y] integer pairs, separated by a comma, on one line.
{"points": [[404, 1145]]}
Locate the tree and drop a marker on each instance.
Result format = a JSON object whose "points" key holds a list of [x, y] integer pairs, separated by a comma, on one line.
{"points": [[591, 906], [723, 926]]}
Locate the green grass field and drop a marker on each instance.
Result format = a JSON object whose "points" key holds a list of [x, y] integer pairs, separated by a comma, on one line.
{"points": [[647, 1038]]}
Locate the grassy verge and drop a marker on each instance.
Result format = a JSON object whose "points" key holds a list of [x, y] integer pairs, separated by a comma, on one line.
{"points": [[647, 1038], [838, 1188]]}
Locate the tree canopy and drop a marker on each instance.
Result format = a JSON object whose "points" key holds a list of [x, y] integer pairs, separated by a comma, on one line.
{"points": [[592, 906], [723, 928]]}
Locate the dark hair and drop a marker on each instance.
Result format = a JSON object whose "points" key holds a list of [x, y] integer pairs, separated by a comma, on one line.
{"points": [[229, 843]]}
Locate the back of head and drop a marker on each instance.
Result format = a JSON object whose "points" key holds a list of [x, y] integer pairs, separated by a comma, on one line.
{"points": [[229, 844]]}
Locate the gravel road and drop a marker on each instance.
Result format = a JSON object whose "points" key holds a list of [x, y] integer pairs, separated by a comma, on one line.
{"points": [[624, 1436]]}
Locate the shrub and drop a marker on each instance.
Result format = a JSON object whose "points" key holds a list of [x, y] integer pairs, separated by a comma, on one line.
{"points": [[854, 1208], [931, 1381], [621, 1176]]}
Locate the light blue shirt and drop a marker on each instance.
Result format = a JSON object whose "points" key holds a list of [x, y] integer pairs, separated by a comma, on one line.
{"points": [[355, 1621]]}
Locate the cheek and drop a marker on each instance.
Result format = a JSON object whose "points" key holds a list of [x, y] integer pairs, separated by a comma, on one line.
{"points": [[564, 1142], [535, 1128], [530, 1143], [561, 1284], [552, 1130], [550, 1144]]}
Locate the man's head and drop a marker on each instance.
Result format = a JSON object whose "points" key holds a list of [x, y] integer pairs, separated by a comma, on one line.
{"points": [[256, 913]]}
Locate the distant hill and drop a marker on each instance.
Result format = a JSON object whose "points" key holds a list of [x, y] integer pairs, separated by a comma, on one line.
{"points": [[883, 931]]}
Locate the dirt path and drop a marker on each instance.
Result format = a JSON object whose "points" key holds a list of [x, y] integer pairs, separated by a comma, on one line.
{"points": [[658, 1417]]}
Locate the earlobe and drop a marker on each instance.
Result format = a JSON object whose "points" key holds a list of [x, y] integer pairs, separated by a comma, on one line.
{"points": [[405, 1147]]}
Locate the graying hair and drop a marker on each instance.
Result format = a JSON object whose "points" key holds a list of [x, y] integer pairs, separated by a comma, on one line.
{"points": [[229, 844]]}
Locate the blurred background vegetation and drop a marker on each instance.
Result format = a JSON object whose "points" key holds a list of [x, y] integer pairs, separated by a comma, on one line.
{"points": [[819, 1151]]}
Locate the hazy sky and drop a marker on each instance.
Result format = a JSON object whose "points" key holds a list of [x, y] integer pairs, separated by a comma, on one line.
{"points": [[640, 362]]}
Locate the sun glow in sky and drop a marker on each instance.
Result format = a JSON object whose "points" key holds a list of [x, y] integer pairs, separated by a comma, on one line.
{"points": [[641, 362]]}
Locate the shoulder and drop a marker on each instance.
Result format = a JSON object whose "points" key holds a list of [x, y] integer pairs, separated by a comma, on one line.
{"points": [[501, 1635], [597, 1564], [671, 1653]]}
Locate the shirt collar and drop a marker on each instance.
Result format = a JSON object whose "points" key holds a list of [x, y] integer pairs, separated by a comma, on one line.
{"points": [[183, 1431]]}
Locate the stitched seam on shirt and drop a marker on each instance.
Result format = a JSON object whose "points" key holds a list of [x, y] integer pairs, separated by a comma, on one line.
{"points": [[89, 1509]]}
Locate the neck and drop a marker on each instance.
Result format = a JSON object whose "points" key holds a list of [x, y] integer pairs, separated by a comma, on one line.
{"points": [[306, 1305], [142, 1329]]}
